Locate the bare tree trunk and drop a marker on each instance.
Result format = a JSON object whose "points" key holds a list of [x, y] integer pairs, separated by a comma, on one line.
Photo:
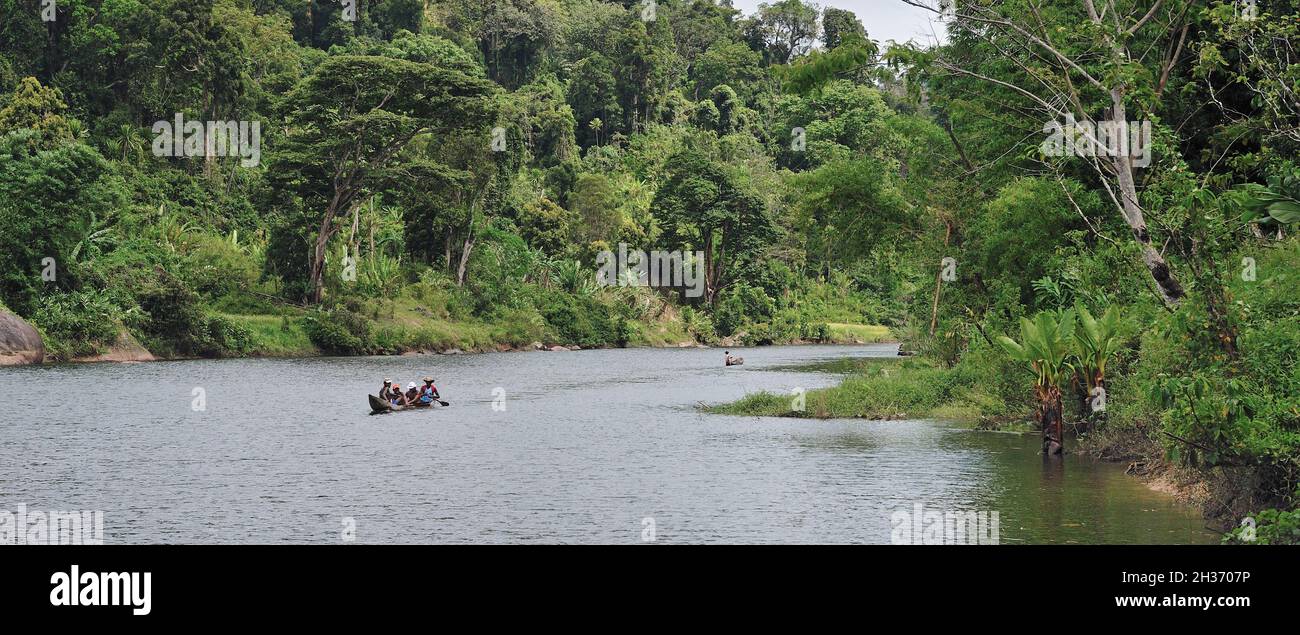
{"points": [[467, 247], [1050, 417], [710, 278], [446, 252], [1170, 290], [317, 278], [464, 259], [938, 280]]}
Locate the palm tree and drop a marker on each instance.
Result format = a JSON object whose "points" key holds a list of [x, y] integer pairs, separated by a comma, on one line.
{"points": [[1095, 342], [1045, 347], [127, 143]]}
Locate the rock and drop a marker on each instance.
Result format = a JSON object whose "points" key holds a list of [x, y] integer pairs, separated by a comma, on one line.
{"points": [[125, 349], [537, 346], [558, 349], [453, 351], [20, 342], [685, 344]]}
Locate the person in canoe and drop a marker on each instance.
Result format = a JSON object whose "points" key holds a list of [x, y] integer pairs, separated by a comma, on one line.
{"points": [[428, 393], [732, 361], [411, 393], [395, 396], [386, 392]]}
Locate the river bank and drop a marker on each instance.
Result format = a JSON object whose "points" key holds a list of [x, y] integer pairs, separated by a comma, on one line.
{"points": [[884, 389], [407, 332]]}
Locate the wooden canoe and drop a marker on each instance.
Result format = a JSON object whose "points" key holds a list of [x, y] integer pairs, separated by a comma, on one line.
{"points": [[379, 406], [738, 361]]}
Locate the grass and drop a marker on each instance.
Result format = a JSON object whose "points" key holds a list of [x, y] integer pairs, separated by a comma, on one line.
{"points": [[875, 388], [275, 336], [669, 333], [866, 333]]}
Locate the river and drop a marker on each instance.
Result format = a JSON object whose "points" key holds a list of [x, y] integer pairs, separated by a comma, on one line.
{"points": [[600, 446]]}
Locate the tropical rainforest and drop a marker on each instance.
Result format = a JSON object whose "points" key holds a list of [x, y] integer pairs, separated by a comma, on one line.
{"points": [[216, 178]]}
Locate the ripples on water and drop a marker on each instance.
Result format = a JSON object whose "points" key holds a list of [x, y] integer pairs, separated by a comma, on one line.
{"points": [[590, 444]]}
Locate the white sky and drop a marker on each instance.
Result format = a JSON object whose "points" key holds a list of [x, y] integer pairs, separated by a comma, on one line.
{"points": [[884, 19]]}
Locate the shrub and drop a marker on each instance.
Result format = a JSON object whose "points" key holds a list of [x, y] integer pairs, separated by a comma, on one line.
{"points": [[75, 323], [699, 324], [1269, 527], [741, 304], [223, 337], [339, 331], [215, 267], [173, 322], [580, 320]]}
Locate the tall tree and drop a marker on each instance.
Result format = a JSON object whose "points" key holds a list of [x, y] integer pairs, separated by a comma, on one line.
{"points": [[703, 207], [1100, 73], [789, 28], [349, 122], [839, 25]]}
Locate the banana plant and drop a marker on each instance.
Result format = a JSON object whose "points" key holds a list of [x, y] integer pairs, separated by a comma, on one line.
{"points": [[1275, 203], [1096, 341], [1046, 346]]}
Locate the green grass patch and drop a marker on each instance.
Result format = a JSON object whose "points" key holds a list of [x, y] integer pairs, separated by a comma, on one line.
{"points": [[876, 388], [275, 336], [866, 333]]}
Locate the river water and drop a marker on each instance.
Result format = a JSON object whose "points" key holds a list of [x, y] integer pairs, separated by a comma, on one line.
{"points": [[601, 446]]}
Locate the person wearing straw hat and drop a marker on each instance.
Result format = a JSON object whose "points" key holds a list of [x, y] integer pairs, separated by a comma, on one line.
{"points": [[428, 393]]}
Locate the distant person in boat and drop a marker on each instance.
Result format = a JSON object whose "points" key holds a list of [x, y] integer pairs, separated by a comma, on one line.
{"points": [[428, 392], [729, 360], [386, 392]]}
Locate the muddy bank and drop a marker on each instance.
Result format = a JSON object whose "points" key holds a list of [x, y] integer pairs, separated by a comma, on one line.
{"points": [[1223, 494]]}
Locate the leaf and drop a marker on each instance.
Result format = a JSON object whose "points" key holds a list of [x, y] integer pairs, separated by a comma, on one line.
{"points": [[1285, 212], [1012, 347]]}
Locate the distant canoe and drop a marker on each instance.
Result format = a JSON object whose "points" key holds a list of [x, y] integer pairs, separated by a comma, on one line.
{"points": [[379, 406], [737, 361]]}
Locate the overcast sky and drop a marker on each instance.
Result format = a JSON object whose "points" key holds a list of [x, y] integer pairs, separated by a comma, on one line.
{"points": [[884, 19]]}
